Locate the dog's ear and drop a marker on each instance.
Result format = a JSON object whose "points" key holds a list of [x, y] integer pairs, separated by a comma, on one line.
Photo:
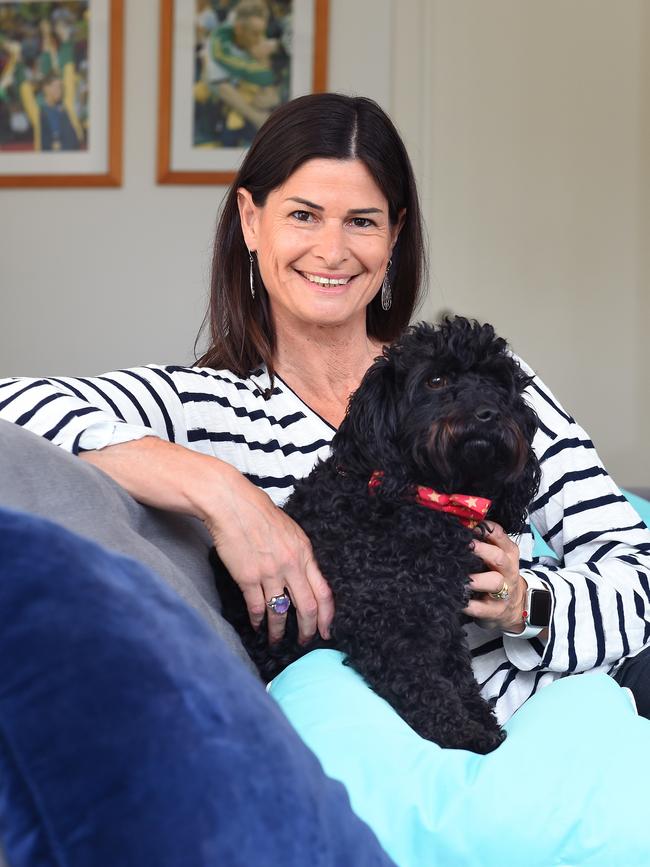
{"points": [[510, 508], [366, 438]]}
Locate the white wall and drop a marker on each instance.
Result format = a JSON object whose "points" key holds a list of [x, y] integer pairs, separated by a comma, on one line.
{"points": [[528, 125]]}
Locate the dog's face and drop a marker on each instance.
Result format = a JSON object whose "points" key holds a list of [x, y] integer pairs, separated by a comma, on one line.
{"points": [[444, 407]]}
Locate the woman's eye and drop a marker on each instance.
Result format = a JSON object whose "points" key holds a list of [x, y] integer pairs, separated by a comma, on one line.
{"points": [[302, 216], [436, 382], [361, 222]]}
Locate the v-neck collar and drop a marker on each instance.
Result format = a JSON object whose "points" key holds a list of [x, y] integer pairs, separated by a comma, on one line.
{"points": [[304, 403]]}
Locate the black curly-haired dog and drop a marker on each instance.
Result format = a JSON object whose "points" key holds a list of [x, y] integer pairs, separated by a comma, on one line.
{"points": [[442, 408]]}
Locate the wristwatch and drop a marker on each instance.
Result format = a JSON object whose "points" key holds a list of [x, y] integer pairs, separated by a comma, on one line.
{"points": [[536, 614]]}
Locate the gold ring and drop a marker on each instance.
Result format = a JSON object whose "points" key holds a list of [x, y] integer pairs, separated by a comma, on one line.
{"points": [[504, 593]]}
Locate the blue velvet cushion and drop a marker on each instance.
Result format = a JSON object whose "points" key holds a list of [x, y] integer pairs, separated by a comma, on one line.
{"points": [[567, 787], [130, 735]]}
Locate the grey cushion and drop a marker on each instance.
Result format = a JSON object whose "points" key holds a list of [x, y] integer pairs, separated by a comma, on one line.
{"points": [[40, 478]]}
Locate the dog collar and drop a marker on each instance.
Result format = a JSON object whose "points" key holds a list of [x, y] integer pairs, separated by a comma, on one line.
{"points": [[469, 510]]}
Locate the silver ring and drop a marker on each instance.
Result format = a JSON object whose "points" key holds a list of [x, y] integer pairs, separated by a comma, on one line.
{"points": [[279, 604], [504, 593]]}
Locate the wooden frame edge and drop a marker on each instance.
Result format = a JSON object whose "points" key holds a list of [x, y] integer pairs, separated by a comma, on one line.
{"points": [[164, 173], [112, 177]]}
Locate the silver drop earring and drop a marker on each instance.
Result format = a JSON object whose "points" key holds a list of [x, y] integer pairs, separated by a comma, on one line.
{"points": [[250, 274], [386, 291]]}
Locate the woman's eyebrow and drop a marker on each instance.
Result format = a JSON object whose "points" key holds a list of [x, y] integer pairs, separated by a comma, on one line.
{"points": [[321, 208], [305, 202], [365, 211]]}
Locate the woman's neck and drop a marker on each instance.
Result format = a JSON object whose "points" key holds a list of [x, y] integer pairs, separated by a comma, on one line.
{"points": [[324, 366]]}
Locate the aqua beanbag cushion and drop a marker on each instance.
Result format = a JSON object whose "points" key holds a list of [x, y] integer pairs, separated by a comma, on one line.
{"points": [[567, 787]]}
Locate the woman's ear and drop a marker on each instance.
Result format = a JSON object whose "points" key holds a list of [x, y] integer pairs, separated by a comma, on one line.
{"points": [[248, 217], [397, 228]]}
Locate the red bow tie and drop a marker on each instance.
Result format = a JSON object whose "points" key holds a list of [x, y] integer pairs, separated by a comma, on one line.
{"points": [[469, 510]]}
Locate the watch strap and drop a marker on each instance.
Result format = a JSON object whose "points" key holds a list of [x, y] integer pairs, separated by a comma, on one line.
{"points": [[527, 632]]}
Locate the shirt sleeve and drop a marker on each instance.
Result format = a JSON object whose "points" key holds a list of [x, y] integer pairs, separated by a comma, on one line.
{"points": [[78, 414], [600, 584]]}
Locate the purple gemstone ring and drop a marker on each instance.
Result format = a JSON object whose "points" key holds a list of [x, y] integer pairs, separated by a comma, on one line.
{"points": [[279, 604]]}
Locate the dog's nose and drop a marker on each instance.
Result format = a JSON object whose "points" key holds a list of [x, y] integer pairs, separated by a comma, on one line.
{"points": [[486, 413]]}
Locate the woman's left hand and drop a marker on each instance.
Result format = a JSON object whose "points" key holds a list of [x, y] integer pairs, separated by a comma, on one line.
{"points": [[501, 557]]}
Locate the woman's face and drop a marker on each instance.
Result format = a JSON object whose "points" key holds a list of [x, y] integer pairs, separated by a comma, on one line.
{"points": [[323, 240]]}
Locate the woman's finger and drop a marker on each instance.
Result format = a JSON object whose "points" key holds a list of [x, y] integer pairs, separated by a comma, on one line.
{"points": [[255, 603], [324, 597], [276, 617], [313, 600], [496, 537], [485, 610], [489, 582], [499, 558]]}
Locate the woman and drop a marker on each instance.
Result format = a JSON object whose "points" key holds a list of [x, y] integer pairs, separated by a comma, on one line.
{"points": [[318, 262]]}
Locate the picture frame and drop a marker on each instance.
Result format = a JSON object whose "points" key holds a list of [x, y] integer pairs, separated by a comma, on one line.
{"points": [[218, 79], [61, 76]]}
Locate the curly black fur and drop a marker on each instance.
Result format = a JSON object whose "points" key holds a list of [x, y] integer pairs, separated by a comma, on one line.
{"points": [[443, 407]]}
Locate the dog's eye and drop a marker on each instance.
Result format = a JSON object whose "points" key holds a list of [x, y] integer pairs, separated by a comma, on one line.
{"points": [[436, 381]]}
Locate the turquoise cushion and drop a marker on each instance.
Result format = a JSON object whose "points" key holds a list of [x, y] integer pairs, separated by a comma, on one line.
{"points": [[567, 787]]}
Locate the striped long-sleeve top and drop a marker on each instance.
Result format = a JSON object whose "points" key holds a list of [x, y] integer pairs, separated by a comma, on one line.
{"points": [[599, 581]]}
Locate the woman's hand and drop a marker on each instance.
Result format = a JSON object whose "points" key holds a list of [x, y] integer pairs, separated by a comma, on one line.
{"points": [[501, 557], [262, 548], [265, 551]]}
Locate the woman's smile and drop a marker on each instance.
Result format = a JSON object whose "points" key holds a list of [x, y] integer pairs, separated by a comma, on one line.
{"points": [[327, 281]]}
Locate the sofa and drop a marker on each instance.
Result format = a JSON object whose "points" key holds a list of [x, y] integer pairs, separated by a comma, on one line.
{"points": [[133, 729], [132, 723]]}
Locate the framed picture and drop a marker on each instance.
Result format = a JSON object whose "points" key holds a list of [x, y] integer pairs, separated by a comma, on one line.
{"points": [[224, 66], [61, 93]]}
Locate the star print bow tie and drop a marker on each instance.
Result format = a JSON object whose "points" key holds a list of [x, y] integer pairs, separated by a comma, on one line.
{"points": [[469, 510]]}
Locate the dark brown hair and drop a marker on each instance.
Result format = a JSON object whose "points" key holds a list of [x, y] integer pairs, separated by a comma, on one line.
{"points": [[321, 125]]}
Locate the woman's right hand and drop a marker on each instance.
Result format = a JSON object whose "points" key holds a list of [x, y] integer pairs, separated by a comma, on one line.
{"points": [[262, 547], [265, 551]]}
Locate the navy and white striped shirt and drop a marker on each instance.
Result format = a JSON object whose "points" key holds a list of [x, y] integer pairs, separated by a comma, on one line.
{"points": [[600, 581]]}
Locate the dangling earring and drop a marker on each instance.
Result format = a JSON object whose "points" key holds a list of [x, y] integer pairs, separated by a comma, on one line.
{"points": [[386, 291], [250, 274]]}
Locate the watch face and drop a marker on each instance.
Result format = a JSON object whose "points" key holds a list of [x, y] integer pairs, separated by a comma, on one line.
{"points": [[540, 608]]}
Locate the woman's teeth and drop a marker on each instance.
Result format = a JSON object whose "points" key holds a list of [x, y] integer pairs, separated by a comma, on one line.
{"points": [[326, 281]]}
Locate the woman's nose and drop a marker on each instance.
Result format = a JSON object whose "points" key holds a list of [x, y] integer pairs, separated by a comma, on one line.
{"points": [[332, 244]]}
